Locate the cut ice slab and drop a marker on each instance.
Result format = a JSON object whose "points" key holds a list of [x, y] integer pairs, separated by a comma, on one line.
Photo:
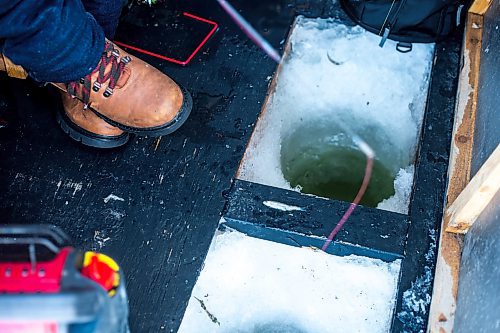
{"points": [[334, 76], [253, 285]]}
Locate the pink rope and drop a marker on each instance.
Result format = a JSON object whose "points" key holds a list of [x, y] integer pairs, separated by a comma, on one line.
{"points": [[354, 204]]}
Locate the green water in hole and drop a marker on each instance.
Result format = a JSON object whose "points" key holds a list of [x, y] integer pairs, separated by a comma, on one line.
{"points": [[324, 161]]}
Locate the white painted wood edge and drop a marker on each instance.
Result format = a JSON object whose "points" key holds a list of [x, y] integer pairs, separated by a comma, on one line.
{"points": [[465, 210]]}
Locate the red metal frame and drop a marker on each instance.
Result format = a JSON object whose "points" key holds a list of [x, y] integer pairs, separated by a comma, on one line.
{"points": [[44, 277], [215, 26]]}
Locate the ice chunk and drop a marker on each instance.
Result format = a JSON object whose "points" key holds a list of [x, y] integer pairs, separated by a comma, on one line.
{"points": [[403, 187]]}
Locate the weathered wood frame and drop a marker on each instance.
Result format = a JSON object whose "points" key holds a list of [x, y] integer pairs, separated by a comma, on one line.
{"points": [[441, 317], [464, 211]]}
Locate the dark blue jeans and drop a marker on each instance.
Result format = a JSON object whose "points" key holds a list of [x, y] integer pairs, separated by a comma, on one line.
{"points": [[57, 40]]}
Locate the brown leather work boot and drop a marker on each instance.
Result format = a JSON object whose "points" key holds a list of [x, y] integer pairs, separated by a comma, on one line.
{"points": [[132, 95], [80, 124], [86, 127]]}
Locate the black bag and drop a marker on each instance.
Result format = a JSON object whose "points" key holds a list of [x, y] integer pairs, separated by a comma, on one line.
{"points": [[407, 21]]}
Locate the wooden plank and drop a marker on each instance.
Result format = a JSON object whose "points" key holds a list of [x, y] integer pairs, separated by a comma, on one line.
{"points": [[471, 202], [445, 289], [316, 217], [480, 7]]}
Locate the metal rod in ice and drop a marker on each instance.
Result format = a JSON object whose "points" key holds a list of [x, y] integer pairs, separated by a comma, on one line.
{"points": [[250, 31]]}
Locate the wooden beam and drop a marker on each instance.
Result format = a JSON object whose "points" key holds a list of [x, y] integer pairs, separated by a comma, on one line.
{"points": [[480, 7], [443, 305], [471, 202], [445, 291]]}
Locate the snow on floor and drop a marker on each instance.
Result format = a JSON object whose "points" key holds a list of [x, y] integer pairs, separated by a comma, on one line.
{"points": [[249, 285], [340, 74]]}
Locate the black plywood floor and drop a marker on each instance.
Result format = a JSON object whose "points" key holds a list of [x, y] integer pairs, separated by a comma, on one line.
{"points": [[170, 192], [154, 204]]}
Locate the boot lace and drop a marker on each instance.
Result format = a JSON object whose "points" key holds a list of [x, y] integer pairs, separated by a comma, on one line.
{"points": [[110, 55]]}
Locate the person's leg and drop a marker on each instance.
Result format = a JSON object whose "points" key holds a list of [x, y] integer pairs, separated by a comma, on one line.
{"points": [[107, 13], [54, 40], [57, 41]]}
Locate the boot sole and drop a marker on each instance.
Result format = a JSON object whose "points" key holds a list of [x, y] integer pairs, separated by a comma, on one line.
{"points": [[168, 128], [88, 138]]}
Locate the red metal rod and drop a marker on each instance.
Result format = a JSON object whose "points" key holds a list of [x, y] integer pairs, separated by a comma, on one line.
{"points": [[207, 37], [177, 61]]}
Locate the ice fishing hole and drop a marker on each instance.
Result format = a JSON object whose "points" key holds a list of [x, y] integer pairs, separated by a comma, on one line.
{"points": [[320, 158]]}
